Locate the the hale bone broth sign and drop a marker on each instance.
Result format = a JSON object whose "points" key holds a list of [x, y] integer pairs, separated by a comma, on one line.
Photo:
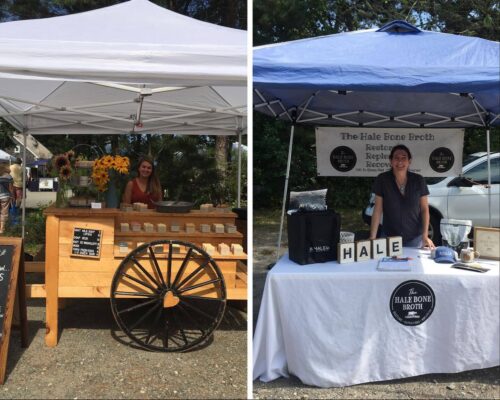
{"points": [[365, 151], [412, 302]]}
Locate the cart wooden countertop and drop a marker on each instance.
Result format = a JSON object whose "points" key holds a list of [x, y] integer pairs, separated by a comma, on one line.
{"points": [[113, 212]]}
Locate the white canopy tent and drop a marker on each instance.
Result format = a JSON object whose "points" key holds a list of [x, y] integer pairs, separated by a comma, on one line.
{"points": [[130, 68], [6, 157]]}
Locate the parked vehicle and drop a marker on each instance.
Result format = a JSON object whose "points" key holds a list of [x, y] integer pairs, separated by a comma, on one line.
{"points": [[461, 197]]}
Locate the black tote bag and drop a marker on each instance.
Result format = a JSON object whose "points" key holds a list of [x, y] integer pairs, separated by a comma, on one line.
{"points": [[313, 236]]}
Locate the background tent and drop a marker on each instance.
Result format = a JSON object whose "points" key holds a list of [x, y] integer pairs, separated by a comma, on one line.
{"points": [[129, 68], [4, 156], [395, 76]]}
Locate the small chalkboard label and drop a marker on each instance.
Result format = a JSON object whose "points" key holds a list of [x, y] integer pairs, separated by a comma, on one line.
{"points": [[86, 243], [6, 253]]}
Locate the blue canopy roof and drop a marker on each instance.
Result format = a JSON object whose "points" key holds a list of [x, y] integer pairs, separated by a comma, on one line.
{"points": [[396, 76]]}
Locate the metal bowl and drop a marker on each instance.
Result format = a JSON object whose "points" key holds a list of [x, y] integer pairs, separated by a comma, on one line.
{"points": [[173, 206]]}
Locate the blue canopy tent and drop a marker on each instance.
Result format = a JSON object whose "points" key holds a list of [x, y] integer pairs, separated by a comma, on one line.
{"points": [[395, 76]]}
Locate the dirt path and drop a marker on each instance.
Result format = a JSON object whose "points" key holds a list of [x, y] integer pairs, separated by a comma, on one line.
{"points": [[477, 384], [94, 361]]}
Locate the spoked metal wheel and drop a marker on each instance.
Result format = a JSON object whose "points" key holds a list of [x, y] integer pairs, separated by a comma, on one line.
{"points": [[168, 295]]}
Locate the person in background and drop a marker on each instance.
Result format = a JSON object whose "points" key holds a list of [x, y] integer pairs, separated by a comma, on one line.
{"points": [[16, 171], [146, 187], [6, 190], [401, 196]]}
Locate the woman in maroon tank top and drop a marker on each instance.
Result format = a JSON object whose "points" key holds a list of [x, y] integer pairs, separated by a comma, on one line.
{"points": [[146, 187]]}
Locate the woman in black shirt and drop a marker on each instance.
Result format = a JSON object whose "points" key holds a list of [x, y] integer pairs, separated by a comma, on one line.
{"points": [[401, 196]]}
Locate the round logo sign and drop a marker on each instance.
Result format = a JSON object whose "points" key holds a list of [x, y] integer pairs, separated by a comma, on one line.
{"points": [[343, 158], [441, 159], [412, 302]]}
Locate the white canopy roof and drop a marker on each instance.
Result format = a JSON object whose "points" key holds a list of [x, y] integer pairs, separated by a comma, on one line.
{"points": [[4, 156], [130, 68]]}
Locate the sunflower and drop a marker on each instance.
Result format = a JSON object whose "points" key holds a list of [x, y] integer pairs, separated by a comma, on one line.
{"points": [[70, 155], [107, 160], [65, 172], [61, 161]]}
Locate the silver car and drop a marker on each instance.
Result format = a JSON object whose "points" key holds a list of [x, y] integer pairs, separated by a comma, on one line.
{"points": [[461, 197]]}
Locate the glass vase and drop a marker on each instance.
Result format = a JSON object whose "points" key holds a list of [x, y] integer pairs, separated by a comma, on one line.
{"points": [[111, 194], [62, 199]]}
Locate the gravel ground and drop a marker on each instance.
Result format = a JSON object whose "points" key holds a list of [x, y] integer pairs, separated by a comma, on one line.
{"points": [[477, 384], [94, 361]]}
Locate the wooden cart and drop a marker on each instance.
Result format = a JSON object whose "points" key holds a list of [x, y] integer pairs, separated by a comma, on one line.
{"points": [[167, 293]]}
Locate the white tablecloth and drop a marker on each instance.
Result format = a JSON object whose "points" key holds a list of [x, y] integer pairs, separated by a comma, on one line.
{"points": [[331, 324]]}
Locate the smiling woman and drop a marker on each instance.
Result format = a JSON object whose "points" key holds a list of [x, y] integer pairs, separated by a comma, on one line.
{"points": [[146, 187], [402, 197]]}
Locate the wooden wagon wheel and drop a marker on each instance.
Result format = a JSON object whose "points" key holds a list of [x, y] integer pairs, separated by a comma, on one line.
{"points": [[168, 302]]}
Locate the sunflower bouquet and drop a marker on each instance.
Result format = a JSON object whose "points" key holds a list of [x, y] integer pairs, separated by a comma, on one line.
{"points": [[104, 168], [63, 165]]}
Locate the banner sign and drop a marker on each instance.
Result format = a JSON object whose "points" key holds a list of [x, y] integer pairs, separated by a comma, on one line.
{"points": [[365, 151]]}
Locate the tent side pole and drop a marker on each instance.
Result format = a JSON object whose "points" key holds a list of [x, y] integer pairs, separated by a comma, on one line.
{"points": [[287, 176], [23, 218], [239, 169], [488, 157]]}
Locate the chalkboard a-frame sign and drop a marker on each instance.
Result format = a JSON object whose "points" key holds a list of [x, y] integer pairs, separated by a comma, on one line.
{"points": [[11, 283], [86, 243]]}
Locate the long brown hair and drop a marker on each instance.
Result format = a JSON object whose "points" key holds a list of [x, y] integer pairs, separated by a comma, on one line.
{"points": [[153, 186]]}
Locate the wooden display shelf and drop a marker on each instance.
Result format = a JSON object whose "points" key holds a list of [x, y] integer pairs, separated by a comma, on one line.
{"points": [[71, 273]]}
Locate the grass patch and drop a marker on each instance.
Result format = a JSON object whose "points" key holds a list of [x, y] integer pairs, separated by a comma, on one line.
{"points": [[34, 230], [350, 218]]}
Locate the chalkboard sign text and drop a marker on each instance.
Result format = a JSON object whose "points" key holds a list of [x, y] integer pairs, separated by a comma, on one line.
{"points": [[6, 253], [86, 243]]}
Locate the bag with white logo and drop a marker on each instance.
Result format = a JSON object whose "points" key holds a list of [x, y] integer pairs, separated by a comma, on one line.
{"points": [[313, 236]]}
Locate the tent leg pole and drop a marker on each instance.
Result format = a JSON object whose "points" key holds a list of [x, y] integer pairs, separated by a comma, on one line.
{"points": [[23, 218], [239, 170], [290, 146], [489, 174]]}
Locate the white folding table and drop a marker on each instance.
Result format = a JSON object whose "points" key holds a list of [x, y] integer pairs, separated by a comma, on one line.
{"points": [[331, 324]]}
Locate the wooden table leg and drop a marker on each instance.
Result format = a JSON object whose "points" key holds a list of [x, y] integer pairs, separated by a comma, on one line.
{"points": [[51, 280], [21, 292]]}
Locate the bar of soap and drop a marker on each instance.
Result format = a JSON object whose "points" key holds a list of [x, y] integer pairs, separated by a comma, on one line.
{"points": [[190, 228], [218, 228], [209, 248], [158, 248], [230, 228], [123, 247], [124, 227], [223, 249], [126, 207], [205, 228], [237, 249], [140, 206], [207, 207], [175, 227], [162, 228]]}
